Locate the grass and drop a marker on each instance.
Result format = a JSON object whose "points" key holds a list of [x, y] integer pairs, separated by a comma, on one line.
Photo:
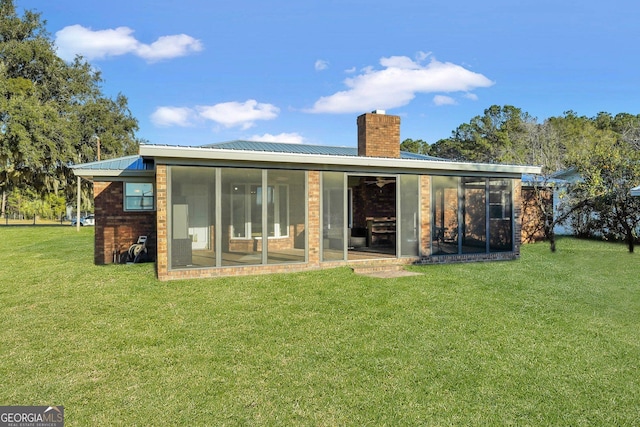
{"points": [[551, 339]]}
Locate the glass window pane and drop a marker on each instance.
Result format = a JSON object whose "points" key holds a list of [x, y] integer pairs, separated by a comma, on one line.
{"points": [[192, 217], [286, 220], [500, 214], [333, 216], [410, 217], [444, 232], [138, 196], [241, 216], [475, 216], [239, 224]]}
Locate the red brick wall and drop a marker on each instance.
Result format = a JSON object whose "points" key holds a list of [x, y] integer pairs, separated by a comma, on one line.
{"points": [[115, 229], [378, 135]]}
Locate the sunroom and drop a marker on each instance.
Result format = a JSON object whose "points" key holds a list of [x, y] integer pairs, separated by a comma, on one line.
{"points": [[247, 207]]}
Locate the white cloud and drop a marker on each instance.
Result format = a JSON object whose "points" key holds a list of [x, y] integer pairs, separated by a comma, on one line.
{"points": [[242, 114], [471, 96], [444, 100], [321, 64], [350, 70], [289, 138], [78, 40], [173, 116], [397, 84], [167, 47]]}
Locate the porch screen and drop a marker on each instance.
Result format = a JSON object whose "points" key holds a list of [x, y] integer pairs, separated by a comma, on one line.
{"points": [[242, 211], [409, 214], [333, 216], [286, 207], [471, 215], [192, 217], [500, 222]]}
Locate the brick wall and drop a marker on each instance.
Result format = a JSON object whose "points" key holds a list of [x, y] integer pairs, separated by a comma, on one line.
{"points": [[378, 135], [115, 229], [533, 214], [162, 259], [517, 214], [425, 215]]}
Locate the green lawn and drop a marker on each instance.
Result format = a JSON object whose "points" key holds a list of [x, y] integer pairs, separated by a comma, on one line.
{"points": [[551, 339]]}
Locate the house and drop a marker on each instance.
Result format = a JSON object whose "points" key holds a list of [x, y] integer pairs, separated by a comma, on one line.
{"points": [[251, 207]]}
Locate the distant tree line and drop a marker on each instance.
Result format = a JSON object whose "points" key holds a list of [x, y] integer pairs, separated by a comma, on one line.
{"points": [[604, 151], [52, 115]]}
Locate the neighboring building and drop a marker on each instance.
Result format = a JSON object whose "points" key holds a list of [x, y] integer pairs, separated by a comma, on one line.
{"points": [[251, 207]]}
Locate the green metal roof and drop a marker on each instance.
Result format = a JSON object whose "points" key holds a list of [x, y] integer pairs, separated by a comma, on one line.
{"points": [[281, 147]]}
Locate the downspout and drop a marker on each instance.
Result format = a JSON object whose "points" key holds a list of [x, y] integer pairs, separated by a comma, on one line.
{"points": [[78, 207]]}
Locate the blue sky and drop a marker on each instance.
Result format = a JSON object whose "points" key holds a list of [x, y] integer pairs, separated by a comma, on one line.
{"points": [[203, 71]]}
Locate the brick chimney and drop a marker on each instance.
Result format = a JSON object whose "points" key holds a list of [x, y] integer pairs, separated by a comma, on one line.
{"points": [[378, 135]]}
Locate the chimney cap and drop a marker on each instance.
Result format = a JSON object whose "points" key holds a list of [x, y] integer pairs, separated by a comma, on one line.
{"points": [[378, 112]]}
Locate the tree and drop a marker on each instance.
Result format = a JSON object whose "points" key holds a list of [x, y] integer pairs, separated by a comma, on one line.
{"points": [[51, 111], [609, 170], [498, 136], [414, 146]]}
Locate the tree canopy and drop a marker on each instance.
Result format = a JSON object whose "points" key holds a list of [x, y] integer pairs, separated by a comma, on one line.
{"points": [[51, 111]]}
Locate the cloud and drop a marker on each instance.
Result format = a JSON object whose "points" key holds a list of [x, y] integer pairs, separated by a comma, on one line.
{"points": [[78, 40], [242, 114], [289, 138], [443, 100], [227, 114], [321, 64], [397, 83], [471, 96], [173, 116]]}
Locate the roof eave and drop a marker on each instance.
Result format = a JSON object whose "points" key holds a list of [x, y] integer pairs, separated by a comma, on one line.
{"points": [[178, 152], [92, 174]]}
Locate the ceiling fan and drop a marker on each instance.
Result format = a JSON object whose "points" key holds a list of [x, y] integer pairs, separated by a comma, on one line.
{"points": [[380, 181]]}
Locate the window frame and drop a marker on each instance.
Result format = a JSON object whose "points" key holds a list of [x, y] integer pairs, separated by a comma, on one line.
{"points": [[126, 196]]}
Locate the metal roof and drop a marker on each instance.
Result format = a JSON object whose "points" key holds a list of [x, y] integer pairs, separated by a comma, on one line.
{"points": [[122, 166], [535, 179], [133, 163], [244, 153], [281, 147], [265, 154]]}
